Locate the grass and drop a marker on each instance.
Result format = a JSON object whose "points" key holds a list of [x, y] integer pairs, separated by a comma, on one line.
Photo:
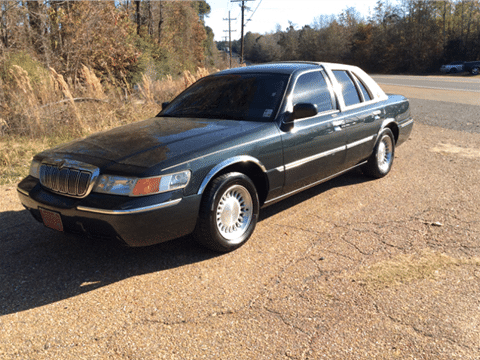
{"points": [[408, 268], [37, 115]]}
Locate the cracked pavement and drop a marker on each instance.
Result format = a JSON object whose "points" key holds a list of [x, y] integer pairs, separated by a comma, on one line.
{"points": [[351, 269]]}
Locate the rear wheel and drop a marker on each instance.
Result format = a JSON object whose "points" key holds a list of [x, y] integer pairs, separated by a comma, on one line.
{"points": [[475, 70], [228, 213], [380, 162]]}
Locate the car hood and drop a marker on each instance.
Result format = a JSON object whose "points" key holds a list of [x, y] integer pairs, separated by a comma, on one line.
{"points": [[146, 143]]}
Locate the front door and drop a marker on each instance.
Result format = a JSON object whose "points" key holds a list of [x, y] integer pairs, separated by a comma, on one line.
{"points": [[315, 148]]}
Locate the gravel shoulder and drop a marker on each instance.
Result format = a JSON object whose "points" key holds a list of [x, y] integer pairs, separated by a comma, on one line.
{"points": [[351, 269]]}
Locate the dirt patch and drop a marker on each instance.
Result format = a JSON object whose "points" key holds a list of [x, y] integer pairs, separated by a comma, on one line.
{"points": [[449, 149]]}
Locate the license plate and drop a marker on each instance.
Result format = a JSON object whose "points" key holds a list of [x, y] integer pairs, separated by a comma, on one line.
{"points": [[52, 219]]}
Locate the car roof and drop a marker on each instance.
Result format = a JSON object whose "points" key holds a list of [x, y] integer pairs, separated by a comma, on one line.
{"points": [[292, 67], [288, 67], [277, 68]]}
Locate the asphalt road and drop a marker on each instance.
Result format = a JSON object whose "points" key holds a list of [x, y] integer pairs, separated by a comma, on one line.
{"points": [[450, 83], [447, 102], [314, 281]]}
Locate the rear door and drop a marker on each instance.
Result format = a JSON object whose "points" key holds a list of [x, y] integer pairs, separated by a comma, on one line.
{"points": [[363, 117]]}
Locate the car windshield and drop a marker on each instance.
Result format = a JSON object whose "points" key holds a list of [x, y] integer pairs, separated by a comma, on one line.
{"points": [[251, 97]]}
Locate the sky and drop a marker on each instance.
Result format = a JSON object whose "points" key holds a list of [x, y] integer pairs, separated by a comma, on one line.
{"points": [[266, 15]]}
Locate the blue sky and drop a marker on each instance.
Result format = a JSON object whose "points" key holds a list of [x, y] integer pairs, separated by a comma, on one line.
{"points": [[267, 14]]}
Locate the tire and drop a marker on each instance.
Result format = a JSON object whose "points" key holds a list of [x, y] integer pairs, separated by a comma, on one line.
{"points": [[381, 160], [475, 70], [228, 213]]}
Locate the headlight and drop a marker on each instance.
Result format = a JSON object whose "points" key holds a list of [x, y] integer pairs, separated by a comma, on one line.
{"points": [[35, 169], [130, 186]]}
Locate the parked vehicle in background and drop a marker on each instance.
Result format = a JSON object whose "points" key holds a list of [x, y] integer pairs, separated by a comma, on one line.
{"points": [[231, 143], [472, 67], [454, 67]]}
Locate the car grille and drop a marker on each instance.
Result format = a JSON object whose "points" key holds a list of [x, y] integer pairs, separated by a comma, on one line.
{"points": [[65, 180]]}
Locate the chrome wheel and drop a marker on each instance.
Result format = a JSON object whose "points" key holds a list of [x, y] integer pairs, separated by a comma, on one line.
{"points": [[385, 153], [234, 213], [228, 212], [381, 160]]}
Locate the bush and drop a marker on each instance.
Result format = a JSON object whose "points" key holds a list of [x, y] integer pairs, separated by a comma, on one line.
{"points": [[37, 73]]}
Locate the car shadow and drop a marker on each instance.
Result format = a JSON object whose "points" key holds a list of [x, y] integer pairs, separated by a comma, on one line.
{"points": [[39, 266], [351, 178]]}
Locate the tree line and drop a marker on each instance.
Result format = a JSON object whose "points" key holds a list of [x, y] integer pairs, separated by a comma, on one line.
{"points": [[119, 40], [411, 36]]}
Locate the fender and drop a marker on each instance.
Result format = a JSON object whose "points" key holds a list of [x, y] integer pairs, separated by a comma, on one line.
{"points": [[235, 160], [385, 124]]}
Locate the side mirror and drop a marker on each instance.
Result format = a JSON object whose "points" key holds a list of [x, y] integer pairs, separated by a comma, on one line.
{"points": [[301, 111], [165, 104]]}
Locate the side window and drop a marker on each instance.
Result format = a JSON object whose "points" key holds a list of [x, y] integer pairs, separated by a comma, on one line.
{"points": [[312, 88], [349, 90], [363, 89]]}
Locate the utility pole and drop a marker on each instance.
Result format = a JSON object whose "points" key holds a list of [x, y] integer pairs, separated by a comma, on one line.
{"points": [[243, 25], [230, 36]]}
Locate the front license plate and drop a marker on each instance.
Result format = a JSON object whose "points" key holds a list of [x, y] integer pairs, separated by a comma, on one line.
{"points": [[52, 219]]}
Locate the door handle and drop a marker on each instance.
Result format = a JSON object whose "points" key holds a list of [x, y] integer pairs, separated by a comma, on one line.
{"points": [[376, 114]]}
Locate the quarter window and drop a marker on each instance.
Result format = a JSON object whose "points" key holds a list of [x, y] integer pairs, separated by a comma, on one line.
{"points": [[363, 89], [349, 90], [312, 88]]}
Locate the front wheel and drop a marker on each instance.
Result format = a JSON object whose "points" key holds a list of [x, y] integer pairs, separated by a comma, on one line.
{"points": [[380, 162], [228, 213]]}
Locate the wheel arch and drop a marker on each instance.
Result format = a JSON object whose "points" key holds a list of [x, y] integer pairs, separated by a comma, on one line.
{"points": [[392, 125], [246, 165]]}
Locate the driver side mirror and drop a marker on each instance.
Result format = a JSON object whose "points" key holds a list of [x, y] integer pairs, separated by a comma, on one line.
{"points": [[301, 111]]}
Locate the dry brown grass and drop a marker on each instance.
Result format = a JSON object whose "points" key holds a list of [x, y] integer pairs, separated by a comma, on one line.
{"points": [[37, 116], [407, 268], [55, 107]]}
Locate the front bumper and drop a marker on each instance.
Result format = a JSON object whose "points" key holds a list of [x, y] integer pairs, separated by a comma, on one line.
{"points": [[136, 221]]}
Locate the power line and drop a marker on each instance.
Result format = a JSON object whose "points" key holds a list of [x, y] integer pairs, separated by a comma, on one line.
{"points": [[255, 10]]}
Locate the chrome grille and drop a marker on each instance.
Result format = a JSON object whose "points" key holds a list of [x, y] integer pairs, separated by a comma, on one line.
{"points": [[65, 180]]}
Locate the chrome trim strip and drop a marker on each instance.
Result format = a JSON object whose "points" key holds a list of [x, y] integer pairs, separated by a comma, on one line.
{"points": [[406, 123], [228, 162], [281, 197], [21, 191], [129, 211], [314, 157], [360, 142]]}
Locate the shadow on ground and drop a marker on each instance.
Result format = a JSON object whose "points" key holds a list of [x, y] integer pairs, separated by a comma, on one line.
{"points": [[39, 266]]}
